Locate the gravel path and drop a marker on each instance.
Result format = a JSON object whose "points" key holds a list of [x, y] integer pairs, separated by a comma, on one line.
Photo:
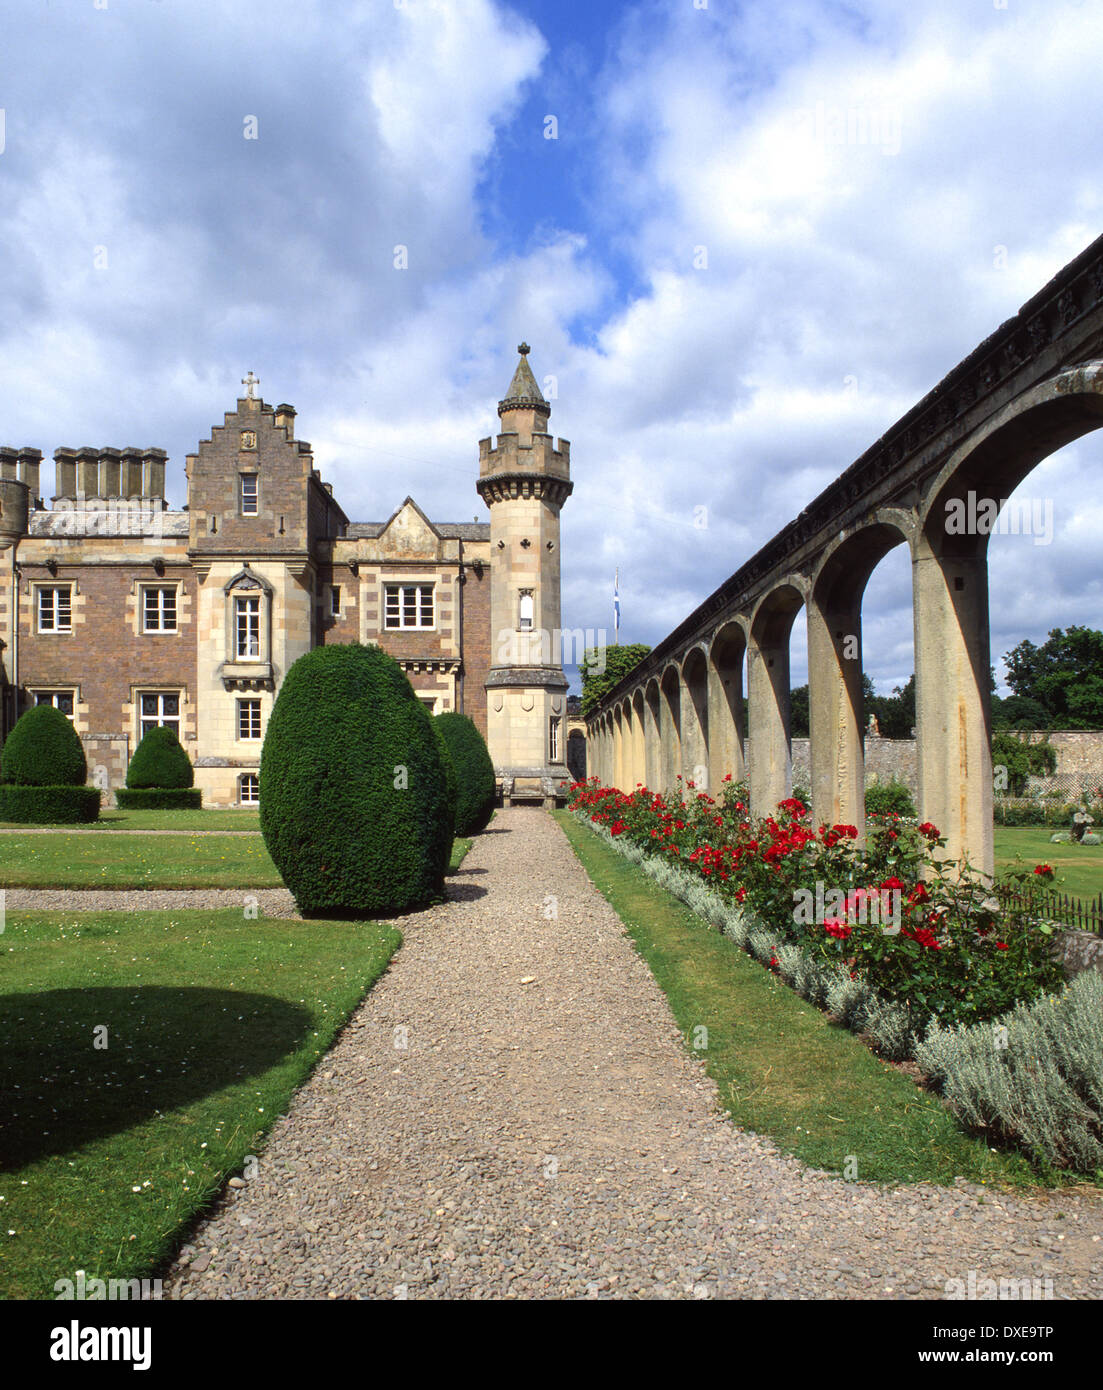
{"points": [[272, 902], [545, 1134]]}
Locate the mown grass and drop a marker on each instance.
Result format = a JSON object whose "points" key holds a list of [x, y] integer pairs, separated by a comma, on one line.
{"points": [[1079, 867], [782, 1069], [117, 819], [135, 861], [211, 1021]]}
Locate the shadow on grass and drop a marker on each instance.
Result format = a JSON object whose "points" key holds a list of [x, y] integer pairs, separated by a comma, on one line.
{"points": [[165, 1047]]}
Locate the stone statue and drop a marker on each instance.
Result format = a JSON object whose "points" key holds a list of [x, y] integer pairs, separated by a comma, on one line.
{"points": [[873, 729]]}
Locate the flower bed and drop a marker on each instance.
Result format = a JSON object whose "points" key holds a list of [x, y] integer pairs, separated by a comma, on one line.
{"points": [[927, 934], [1027, 1076]]}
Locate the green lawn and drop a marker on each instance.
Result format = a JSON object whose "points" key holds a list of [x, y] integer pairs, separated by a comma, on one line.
{"points": [[135, 861], [144, 861], [117, 819], [1079, 867], [782, 1069], [212, 1020]]}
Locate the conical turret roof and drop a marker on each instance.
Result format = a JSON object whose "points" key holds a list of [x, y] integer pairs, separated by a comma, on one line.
{"points": [[523, 393]]}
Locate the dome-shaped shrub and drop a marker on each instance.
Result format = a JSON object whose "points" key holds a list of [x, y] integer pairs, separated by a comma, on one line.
{"points": [[44, 750], [451, 782], [474, 772], [353, 788], [160, 761]]}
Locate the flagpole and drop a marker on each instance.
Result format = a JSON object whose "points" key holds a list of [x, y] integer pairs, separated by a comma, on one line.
{"points": [[616, 607]]}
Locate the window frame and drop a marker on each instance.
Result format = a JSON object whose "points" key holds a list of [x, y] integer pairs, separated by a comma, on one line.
{"points": [[40, 591], [242, 498], [400, 588], [243, 601], [160, 694], [163, 589], [250, 701], [53, 693], [242, 799]]}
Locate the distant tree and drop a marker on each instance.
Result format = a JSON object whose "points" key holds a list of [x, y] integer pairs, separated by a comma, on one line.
{"points": [[799, 714], [601, 668], [1064, 676]]}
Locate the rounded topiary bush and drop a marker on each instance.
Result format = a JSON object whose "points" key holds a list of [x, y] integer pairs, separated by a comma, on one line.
{"points": [[44, 750], [474, 772], [353, 787], [44, 770], [160, 761]]}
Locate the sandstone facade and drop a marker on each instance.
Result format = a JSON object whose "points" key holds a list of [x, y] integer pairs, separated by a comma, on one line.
{"points": [[126, 614]]}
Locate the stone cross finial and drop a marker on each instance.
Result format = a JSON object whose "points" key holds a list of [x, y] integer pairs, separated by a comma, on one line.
{"points": [[524, 349], [249, 382]]}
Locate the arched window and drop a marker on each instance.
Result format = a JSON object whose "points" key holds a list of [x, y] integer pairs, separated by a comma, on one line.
{"points": [[525, 610]]}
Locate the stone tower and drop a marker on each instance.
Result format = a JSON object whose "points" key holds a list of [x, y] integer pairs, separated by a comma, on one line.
{"points": [[524, 481]]}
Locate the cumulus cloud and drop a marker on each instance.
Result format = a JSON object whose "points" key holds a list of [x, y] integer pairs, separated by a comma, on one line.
{"points": [[764, 233]]}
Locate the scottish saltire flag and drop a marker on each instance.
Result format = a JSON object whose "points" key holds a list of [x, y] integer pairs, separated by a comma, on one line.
{"points": [[616, 602]]}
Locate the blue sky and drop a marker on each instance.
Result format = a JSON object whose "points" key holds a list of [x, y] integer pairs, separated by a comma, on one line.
{"points": [[152, 254]]}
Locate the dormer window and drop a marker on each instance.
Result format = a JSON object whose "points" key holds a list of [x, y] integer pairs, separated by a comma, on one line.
{"points": [[249, 494]]}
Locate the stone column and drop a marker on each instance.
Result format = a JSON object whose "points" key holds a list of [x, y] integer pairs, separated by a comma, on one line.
{"points": [[695, 747], [639, 744], [768, 716], [835, 706], [652, 739], [618, 749], [670, 732], [725, 691], [952, 664]]}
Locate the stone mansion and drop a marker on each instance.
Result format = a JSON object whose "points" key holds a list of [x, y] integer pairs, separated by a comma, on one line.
{"points": [[127, 615]]}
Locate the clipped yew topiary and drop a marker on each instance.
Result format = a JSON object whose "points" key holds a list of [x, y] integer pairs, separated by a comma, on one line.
{"points": [[160, 761], [44, 750], [44, 770], [474, 772], [353, 787], [160, 776]]}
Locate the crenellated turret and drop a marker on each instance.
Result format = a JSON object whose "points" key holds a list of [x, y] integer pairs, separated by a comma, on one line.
{"points": [[524, 479]]}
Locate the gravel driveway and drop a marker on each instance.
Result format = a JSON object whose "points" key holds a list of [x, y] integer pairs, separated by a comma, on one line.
{"points": [[544, 1133]]}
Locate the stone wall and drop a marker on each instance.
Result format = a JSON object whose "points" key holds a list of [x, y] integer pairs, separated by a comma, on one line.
{"points": [[1079, 760]]}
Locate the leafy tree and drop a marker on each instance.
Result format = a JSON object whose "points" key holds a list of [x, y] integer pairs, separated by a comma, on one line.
{"points": [[601, 668], [1064, 676], [895, 713], [800, 718]]}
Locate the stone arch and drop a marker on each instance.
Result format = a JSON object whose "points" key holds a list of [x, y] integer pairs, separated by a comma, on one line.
{"points": [[639, 738], [620, 740], [950, 587], [771, 760], [695, 716], [727, 714], [653, 734], [835, 663], [670, 726]]}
